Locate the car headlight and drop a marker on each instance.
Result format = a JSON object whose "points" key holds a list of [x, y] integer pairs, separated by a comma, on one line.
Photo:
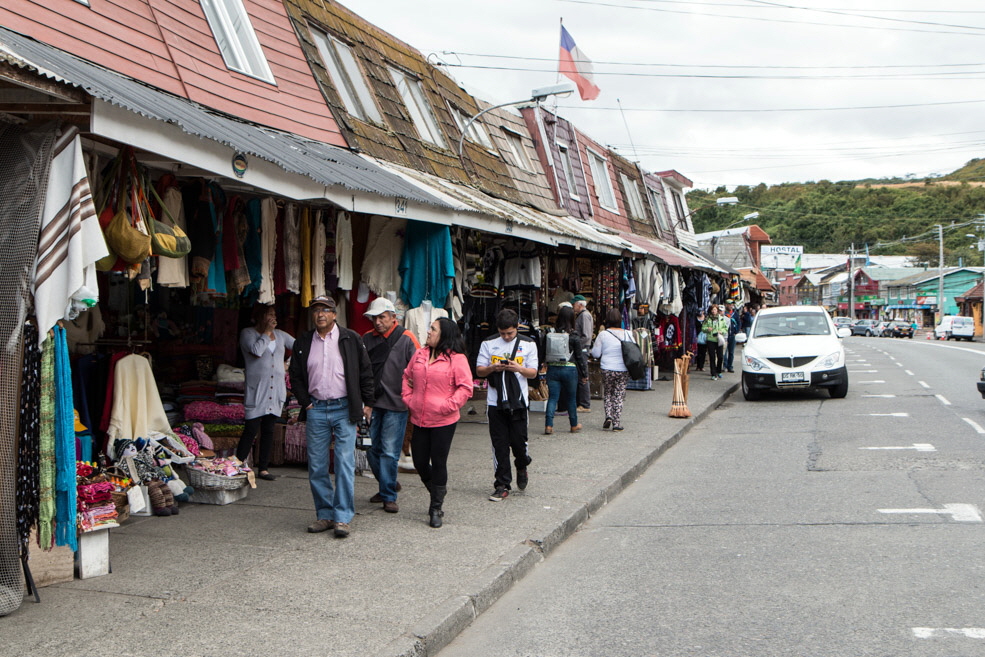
{"points": [[832, 360], [755, 363]]}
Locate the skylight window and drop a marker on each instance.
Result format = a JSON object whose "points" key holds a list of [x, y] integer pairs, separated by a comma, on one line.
{"points": [[420, 111], [236, 39], [343, 69]]}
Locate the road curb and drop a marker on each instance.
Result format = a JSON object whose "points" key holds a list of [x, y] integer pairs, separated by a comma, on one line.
{"points": [[438, 628]]}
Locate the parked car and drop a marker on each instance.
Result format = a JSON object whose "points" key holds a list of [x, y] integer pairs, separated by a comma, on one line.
{"points": [[955, 326], [981, 384], [790, 347], [843, 322], [884, 329], [866, 327], [901, 329]]}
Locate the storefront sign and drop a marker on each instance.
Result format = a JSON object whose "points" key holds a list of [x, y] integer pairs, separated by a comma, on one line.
{"points": [[775, 249], [927, 301]]}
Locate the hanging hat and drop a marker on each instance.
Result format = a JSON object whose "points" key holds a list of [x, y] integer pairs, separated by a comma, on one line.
{"points": [[79, 427], [378, 306]]}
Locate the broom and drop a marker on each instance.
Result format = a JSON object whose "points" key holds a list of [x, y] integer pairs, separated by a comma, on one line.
{"points": [[678, 407]]}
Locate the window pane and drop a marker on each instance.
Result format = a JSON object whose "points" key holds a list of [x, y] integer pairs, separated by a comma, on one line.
{"points": [[357, 81], [603, 186], [569, 172], [518, 150], [336, 74], [633, 200], [235, 37], [420, 111], [657, 202]]}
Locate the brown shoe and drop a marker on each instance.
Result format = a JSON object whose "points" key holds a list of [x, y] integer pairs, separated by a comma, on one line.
{"points": [[341, 529], [583, 409], [391, 507], [548, 431], [376, 499], [576, 428], [320, 525]]}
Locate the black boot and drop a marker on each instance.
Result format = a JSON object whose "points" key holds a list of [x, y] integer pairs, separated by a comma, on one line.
{"points": [[437, 499]]}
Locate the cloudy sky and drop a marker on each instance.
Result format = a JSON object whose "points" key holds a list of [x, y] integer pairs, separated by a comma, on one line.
{"points": [[733, 92]]}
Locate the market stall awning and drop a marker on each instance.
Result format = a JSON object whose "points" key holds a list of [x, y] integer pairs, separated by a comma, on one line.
{"points": [[475, 209], [130, 112], [755, 278], [664, 253]]}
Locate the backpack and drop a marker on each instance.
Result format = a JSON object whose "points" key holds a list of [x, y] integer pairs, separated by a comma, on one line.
{"points": [[558, 348]]}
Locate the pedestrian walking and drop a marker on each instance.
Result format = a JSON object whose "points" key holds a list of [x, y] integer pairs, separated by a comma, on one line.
{"points": [[608, 350], [733, 328], [390, 348], [436, 384], [715, 328], [507, 360], [567, 366], [702, 347], [585, 326], [332, 378], [264, 349]]}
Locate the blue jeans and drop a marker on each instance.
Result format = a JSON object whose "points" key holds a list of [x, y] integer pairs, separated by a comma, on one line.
{"points": [[326, 418], [562, 381], [386, 430], [730, 352]]}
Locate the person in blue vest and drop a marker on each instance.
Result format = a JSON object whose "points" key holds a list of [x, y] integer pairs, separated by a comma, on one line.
{"points": [[733, 327]]}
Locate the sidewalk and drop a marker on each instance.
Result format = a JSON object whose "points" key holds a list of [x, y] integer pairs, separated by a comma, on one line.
{"points": [[246, 579]]}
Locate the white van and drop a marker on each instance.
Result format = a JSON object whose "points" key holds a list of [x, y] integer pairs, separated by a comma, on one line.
{"points": [[953, 326]]}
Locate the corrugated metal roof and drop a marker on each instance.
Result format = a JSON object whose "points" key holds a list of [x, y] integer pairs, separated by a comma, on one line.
{"points": [[323, 163]]}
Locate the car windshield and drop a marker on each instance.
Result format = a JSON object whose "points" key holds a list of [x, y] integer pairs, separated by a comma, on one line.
{"points": [[792, 323]]}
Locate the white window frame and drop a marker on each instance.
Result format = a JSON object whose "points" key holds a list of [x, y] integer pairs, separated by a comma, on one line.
{"points": [[237, 41], [421, 114], [564, 154], [657, 201], [347, 76], [515, 141], [603, 183], [634, 202], [477, 131], [679, 206]]}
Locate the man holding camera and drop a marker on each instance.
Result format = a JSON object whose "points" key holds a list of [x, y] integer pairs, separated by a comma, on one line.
{"points": [[507, 360]]}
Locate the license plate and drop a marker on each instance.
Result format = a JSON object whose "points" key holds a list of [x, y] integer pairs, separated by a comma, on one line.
{"points": [[792, 377]]}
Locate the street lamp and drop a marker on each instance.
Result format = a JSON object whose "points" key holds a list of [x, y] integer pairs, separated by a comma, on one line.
{"points": [[536, 96], [725, 200], [748, 217]]}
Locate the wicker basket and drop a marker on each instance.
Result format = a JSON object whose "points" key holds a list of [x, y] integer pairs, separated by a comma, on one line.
{"points": [[200, 479], [122, 503]]}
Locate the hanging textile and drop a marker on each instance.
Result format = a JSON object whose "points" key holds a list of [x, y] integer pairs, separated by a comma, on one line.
{"points": [[343, 251], [427, 266], [234, 237], [292, 249], [173, 272], [253, 248], [65, 453], [305, 251], [137, 407], [381, 265], [71, 240], [268, 249], [46, 457], [318, 246], [28, 444]]}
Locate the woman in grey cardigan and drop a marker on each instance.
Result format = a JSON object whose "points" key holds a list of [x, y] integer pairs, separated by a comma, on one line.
{"points": [[263, 346]]}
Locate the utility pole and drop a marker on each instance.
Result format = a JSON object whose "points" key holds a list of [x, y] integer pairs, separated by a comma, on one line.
{"points": [[981, 249], [940, 274], [851, 282]]}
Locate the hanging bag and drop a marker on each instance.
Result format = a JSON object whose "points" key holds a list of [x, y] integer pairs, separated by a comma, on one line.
{"points": [[702, 338], [126, 235], [632, 357]]}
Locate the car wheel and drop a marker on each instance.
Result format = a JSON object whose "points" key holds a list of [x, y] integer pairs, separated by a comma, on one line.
{"points": [[748, 392], [868, 333], [839, 391]]}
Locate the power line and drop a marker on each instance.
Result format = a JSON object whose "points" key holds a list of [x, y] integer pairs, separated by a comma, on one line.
{"points": [[769, 109]]}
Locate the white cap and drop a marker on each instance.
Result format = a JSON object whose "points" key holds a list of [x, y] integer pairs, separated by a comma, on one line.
{"points": [[378, 306], [564, 304]]}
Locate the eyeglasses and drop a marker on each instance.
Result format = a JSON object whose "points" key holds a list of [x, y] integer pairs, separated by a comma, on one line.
{"points": [[320, 310]]}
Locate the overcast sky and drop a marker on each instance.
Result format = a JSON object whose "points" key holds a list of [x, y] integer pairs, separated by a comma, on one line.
{"points": [[733, 92]]}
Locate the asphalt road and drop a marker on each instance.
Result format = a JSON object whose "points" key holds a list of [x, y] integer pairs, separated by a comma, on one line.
{"points": [[797, 525]]}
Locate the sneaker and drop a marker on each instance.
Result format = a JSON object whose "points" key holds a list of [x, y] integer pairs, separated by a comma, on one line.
{"points": [[607, 424], [584, 409], [320, 525], [522, 478], [499, 495], [341, 529], [391, 507], [617, 428]]}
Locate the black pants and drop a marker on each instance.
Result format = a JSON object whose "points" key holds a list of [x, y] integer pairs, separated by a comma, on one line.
{"points": [[702, 352], [508, 431], [715, 357], [429, 447], [584, 394], [265, 425]]}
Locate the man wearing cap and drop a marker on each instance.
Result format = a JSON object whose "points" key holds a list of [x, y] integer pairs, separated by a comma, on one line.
{"points": [[390, 347], [333, 380], [585, 326]]}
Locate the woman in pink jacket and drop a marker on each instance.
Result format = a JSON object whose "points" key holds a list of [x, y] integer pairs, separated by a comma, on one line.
{"points": [[437, 383]]}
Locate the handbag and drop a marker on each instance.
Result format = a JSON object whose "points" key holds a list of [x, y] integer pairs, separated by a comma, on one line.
{"points": [[722, 341], [702, 337], [632, 358]]}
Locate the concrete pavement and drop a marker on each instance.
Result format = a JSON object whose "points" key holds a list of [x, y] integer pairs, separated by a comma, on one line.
{"points": [[246, 579]]}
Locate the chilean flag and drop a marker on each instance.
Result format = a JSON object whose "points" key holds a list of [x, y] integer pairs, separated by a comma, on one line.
{"points": [[577, 67]]}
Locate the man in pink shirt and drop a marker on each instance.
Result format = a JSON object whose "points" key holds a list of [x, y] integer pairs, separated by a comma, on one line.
{"points": [[332, 377]]}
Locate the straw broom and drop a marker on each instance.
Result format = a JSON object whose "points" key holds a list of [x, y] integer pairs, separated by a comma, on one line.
{"points": [[678, 407]]}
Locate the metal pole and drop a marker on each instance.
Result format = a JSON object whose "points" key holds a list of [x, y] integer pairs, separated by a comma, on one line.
{"points": [[981, 249], [851, 282], [940, 274]]}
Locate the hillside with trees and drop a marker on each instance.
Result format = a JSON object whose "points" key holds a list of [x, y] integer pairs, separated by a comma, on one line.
{"points": [[892, 217]]}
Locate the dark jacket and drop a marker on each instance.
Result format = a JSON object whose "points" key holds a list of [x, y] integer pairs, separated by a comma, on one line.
{"points": [[355, 363], [389, 357]]}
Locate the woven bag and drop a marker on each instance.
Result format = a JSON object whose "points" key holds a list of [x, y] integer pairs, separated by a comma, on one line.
{"points": [[126, 241]]}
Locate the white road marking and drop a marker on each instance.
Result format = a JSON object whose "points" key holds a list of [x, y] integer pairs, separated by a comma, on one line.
{"points": [[886, 414], [943, 400], [900, 364], [881, 396], [932, 632], [920, 447], [923, 383], [876, 381], [864, 371], [974, 425], [958, 512], [908, 372]]}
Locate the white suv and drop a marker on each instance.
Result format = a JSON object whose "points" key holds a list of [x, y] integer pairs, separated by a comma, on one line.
{"points": [[954, 326], [792, 347]]}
